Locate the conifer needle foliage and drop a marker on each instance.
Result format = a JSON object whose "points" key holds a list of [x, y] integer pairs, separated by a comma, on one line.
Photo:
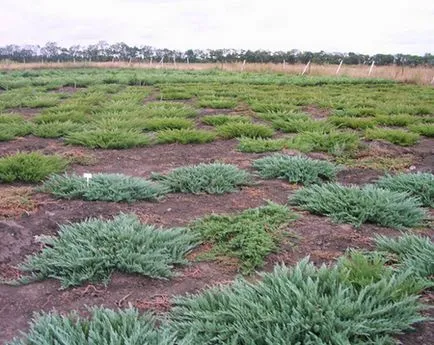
{"points": [[419, 185], [296, 169], [103, 187], [299, 305], [29, 167], [93, 249], [411, 252], [114, 138], [214, 178], [104, 326], [356, 205], [249, 236]]}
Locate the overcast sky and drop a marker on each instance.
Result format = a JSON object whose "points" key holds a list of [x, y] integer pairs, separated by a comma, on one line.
{"points": [[366, 26]]}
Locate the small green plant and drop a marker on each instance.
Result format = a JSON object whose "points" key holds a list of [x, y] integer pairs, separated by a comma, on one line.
{"points": [[218, 120], [90, 251], [362, 269], [156, 124], [333, 142], [29, 167], [353, 122], [185, 136], [426, 129], [69, 115], [250, 130], [411, 252], [395, 136], [168, 109], [249, 236], [215, 178], [396, 120], [356, 205], [258, 145], [296, 169], [420, 185], [9, 131], [299, 122], [55, 129], [218, 103], [104, 326], [103, 187], [108, 138]]}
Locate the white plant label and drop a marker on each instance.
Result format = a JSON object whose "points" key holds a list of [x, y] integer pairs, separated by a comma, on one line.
{"points": [[87, 176]]}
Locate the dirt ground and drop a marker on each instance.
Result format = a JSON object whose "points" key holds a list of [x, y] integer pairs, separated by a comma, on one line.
{"points": [[311, 235]]}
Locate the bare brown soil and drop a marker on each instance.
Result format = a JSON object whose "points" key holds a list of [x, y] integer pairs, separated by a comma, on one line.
{"points": [[310, 235], [27, 113]]}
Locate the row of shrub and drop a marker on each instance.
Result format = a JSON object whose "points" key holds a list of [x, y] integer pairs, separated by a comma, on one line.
{"points": [[393, 201], [365, 298]]}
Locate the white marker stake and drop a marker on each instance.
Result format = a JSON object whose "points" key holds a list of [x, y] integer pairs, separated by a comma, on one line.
{"points": [[305, 68], [372, 67], [432, 80], [174, 60], [87, 176], [244, 63], [284, 64], [339, 67], [150, 61]]}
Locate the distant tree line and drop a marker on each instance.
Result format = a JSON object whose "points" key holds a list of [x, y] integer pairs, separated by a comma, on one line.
{"points": [[103, 52]]}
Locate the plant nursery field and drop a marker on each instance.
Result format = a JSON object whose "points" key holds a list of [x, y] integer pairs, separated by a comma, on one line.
{"points": [[152, 206]]}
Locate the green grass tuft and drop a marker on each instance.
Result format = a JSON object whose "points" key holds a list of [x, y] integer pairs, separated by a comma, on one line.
{"points": [[92, 250], [259, 145], [296, 169], [356, 205], [103, 187], [249, 236], [215, 178], [108, 138], [420, 185], [395, 136], [185, 136], [250, 130], [29, 167]]}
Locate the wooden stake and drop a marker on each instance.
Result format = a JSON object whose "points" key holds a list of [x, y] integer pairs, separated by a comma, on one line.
{"points": [[305, 68], [372, 67], [174, 60], [284, 64], [150, 61], [243, 65], [339, 67]]}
